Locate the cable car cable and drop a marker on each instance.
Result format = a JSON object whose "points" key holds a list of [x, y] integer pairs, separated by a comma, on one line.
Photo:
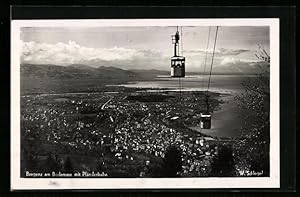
{"points": [[180, 85], [181, 41], [212, 59], [205, 61], [212, 62], [179, 80]]}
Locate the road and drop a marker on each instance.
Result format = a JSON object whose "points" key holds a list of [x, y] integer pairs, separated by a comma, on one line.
{"points": [[103, 106]]}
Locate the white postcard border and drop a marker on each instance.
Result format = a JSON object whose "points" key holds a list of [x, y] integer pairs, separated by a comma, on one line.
{"points": [[18, 183]]}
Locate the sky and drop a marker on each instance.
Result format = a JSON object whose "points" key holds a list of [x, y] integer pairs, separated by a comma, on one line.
{"points": [[143, 47]]}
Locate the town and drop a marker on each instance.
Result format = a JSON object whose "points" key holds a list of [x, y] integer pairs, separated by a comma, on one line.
{"points": [[119, 133]]}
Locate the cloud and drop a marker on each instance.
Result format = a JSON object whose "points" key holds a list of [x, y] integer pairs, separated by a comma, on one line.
{"points": [[223, 51], [237, 65], [71, 53], [232, 60], [218, 52]]}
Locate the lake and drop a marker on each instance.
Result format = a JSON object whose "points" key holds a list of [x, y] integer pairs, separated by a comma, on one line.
{"points": [[219, 83]]}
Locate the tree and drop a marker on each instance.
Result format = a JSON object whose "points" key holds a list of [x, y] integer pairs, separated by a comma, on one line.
{"points": [[53, 163], [68, 166], [172, 163], [29, 161], [262, 54], [223, 163], [100, 165], [252, 150]]}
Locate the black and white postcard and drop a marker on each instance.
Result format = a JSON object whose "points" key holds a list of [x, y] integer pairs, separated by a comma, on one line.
{"points": [[145, 103]]}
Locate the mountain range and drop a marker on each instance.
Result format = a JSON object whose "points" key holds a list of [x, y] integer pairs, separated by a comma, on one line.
{"points": [[75, 71]]}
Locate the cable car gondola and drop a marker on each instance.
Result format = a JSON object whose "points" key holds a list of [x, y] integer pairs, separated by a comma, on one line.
{"points": [[205, 118], [178, 66], [177, 61]]}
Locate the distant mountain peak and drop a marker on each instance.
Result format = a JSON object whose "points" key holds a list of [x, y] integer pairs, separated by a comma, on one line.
{"points": [[81, 66], [110, 68]]}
